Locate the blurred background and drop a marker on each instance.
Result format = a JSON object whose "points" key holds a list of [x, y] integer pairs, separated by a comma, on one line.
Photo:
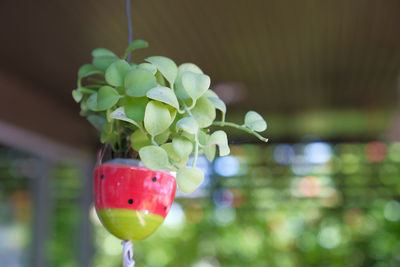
{"points": [[324, 191]]}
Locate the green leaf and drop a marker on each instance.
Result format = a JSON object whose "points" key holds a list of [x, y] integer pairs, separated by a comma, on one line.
{"points": [[174, 157], [179, 90], [149, 67], [172, 112], [135, 107], [115, 73], [107, 97], [139, 139], [137, 44], [188, 124], [218, 104], [87, 70], [166, 66], [209, 151], [139, 81], [162, 137], [220, 139], [210, 93], [204, 112], [165, 95], [157, 118], [189, 67], [77, 95], [97, 121], [119, 114], [107, 135], [203, 138], [160, 79], [182, 146], [255, 121], [154, 157], [84, 108], [102, 58], [189, 179], [92, 102], [195, 84], [101, 52]]}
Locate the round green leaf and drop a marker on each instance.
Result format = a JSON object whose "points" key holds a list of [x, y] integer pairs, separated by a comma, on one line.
{"points": [[139, 139], [157, 118], [210, 93], [139, 81], [92, 102], [119, 114], [102, 58], [218, 104], [154, 157], [135, 107], [107, 97], [182, 146], [163, 94], [174, 157], [209, 151], [220, 139], [101, 52], [166, 66], [179, 90], [162, 137], [87, 70], [188, 124], [149, 67], [137, 44], [195, 84], [203, 138], [115, 73], [204, 112], [97, 121], [189, 67], [255, 121], [77, 95], [189, 179]]}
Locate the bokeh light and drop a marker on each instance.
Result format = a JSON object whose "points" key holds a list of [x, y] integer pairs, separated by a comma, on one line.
{"points": [[227, 166]]}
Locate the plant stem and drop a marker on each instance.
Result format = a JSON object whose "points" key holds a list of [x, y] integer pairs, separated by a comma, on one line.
{"points": [[240, 127], [196, 152], [153, 141], [193, 104], [187, 110], [99, 82]]}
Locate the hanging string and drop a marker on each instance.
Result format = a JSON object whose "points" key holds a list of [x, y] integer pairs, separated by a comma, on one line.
{"points": [[128, 246], [128, 254], [130, 30]]}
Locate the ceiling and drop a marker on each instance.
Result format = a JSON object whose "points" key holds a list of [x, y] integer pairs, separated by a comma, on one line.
{"points": [[279, 56]]}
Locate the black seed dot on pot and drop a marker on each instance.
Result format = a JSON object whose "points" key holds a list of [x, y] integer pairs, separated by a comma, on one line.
{"points": [[165, 207], [154, 179], [130, 201], [102, 176]]}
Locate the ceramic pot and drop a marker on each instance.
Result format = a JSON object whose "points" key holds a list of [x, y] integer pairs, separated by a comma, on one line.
{"points": [[132, 201]]}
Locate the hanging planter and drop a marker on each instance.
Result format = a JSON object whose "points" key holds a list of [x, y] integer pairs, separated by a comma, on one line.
{"points": [[158, 114], [132, 201]]}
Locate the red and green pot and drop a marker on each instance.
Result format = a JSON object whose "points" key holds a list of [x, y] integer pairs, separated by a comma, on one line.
{"points": [[132, 201]]}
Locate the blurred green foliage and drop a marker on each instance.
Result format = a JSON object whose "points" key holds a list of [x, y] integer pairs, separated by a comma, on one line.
{"points": [[307, 204]]}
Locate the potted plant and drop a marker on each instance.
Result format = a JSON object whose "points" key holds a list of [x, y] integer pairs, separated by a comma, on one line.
{"points": [[158, 114]]}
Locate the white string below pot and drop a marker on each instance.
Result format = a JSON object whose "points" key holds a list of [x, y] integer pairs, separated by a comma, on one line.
{"points": [[128, 254]]}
